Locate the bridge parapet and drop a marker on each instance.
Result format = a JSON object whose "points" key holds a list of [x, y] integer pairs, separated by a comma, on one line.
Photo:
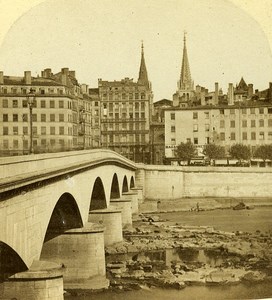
{"points": [[15, 171]]}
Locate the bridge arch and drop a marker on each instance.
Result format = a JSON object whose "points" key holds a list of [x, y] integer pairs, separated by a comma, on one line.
{"points": [[115, 191], [10, 262], [125, 185], [132, 183], [98, 197], [65, 216]]}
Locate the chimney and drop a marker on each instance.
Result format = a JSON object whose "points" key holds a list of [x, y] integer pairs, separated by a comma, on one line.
{"points": [[84, 88], [72, 74], [230, 94], [27, 77], [65, 71], [1, 77], [250, 91], [63, 79], [202, 98], [216, 90], [47, 73], [270, 92]]}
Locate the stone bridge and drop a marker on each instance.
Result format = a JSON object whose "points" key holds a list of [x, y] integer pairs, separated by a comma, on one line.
{"points": [[56, 212]]}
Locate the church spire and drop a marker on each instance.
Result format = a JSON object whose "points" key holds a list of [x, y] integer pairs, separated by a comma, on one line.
{"points": [[143, 77], [185, 75]]}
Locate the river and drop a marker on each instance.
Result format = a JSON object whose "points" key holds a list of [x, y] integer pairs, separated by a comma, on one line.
{"points": [[227, 220]]}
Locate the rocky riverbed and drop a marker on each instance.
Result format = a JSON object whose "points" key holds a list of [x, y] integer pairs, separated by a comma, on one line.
{"points": [[165, 254]]}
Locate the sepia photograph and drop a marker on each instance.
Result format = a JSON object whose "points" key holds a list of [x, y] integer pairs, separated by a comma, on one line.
{"points": [[135, 149]]}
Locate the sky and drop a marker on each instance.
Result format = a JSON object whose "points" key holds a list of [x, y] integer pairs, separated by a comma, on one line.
{"points": [[102, 39]]}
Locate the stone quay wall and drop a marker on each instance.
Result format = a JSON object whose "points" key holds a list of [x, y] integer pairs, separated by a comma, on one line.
{"points": [[214, 187]]}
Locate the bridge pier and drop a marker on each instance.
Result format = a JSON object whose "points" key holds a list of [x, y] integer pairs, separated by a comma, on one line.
{"points": [[124, 205], [133, 195], [111, 219], [140, 192], [81, 251], [43, 281]]}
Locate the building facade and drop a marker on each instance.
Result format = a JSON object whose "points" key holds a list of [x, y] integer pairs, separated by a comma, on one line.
{"points": [[59, 111], [247, 123], [126, 112]]}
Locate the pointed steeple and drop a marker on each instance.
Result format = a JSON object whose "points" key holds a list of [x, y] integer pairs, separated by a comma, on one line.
{"points": [[185, 74], [143, 77]]}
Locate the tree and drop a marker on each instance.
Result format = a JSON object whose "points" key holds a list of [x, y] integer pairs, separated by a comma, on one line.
{"points": [[240, 152], [214, 151], [264, 152], [185, 151]]}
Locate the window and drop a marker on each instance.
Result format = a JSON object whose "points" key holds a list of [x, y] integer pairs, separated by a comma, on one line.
{"points": [[195, 115], [188, 140], [221, 111], [261, 123], [5, 117], [261, 110], [14, 103], [252, 110], [52, 104], [253, 136], [173, 129], [35, 132], [142, 115], [244, 111], [137, 105], [5, 130], [15, 144], [253, 123], [130, 96], [172, 116], [222, 123], [244, 123], [61, 117], [232, 124], [207, 115], [52, 118], [61, 104], [207, 127], [232, 111], [61, 130], [25, 144], [196, 141], [136, 96], [52, 143], [43, 130], [25, 130], [222, 136], [232, 136], [34, 118], [43, 142], [15, 117], [173, 141], [142, 106], [5, 144], [24, 103], [25, 117], [52, 130], [270, 135], [15, 130], [195, 128], [269, 122], [269, 110], [43, 104], [5, 103], [43, 117], [261, 136], [244, 135], [142, 96]]}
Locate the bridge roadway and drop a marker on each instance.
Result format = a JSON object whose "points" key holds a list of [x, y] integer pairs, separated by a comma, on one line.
{"points": [[45, 200]]}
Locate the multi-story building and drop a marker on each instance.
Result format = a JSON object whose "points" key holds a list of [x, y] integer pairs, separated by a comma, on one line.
{"points": [[126, 111], [249, 123], [58, 112]]}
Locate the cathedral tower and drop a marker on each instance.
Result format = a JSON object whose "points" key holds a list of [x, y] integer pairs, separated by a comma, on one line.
{"points": [[185, 92]]}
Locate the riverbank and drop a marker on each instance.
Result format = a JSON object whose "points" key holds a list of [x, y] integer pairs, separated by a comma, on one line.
{"points": [[155, 253]]}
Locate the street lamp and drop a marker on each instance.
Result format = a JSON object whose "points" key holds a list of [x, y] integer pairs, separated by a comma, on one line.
{"points": [[82, 121], [30, 100]]}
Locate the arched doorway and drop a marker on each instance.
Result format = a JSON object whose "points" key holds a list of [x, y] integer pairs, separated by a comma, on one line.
{"points": [[115, 192], [10, 262], [125, 185], [98, 198], [132, 184]]}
